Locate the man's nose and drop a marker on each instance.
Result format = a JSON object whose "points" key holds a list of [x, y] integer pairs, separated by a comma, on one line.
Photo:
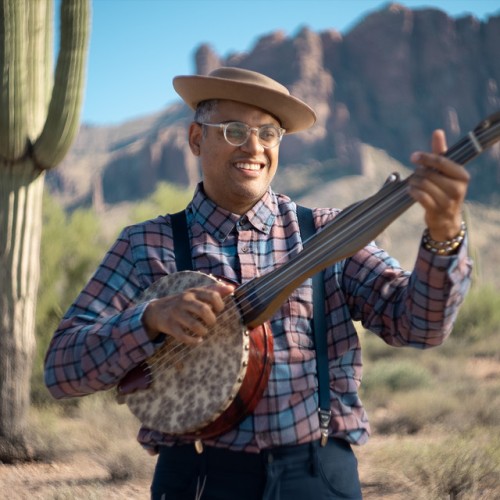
{"points": [[253, 141]]}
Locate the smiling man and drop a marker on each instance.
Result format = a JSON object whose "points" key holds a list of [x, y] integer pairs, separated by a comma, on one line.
{"points": [[237, 228]]}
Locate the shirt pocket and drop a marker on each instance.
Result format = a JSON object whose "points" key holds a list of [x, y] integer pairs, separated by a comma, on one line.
{"points": [[297, 318]]}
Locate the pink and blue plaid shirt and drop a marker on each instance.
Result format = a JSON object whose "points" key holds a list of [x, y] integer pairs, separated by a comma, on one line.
{"points": [[101, 337]]}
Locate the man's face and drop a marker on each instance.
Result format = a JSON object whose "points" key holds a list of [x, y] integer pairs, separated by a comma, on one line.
{"points": [[234, 177]]}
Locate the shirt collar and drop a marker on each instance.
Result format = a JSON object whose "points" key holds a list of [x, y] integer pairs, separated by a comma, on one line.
{"points": [[219, 222]]}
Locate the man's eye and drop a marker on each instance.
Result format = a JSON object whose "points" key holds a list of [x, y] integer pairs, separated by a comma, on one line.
{"points": [[269, 133], [236, 132]]}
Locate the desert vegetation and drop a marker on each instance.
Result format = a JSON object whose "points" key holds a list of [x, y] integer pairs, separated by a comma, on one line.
{"points": [[435, 414]]}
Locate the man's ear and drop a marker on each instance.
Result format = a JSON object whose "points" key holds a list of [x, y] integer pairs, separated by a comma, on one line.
{"points": [[195, 138]]}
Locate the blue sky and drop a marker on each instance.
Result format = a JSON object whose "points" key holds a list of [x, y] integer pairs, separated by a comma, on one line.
{"points": [[138, 46]]}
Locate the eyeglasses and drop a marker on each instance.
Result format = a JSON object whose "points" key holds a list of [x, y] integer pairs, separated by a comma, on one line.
{"points": [[237, 133]]}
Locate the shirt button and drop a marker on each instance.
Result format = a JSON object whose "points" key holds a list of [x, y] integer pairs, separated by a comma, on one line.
{"points": [[245, 249]]}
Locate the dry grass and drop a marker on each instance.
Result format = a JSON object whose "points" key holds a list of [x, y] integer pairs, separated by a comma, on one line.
{"points": [[429, 449], [431, 467], [87, 453]]}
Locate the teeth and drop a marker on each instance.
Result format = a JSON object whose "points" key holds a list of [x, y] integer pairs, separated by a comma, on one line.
{"points": [[248, 166]]}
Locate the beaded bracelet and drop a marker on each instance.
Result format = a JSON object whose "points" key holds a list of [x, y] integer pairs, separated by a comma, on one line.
{"points": [[443, 247]]}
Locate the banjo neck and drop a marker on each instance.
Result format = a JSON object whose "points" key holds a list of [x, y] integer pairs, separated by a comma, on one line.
{"points": [[351, 230]]}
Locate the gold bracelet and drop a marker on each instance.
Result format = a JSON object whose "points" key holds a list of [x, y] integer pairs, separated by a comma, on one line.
{"points": [[443, 247]]}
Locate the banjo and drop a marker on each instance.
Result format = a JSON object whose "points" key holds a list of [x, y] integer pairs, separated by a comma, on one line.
{"points": [[199, 392]]}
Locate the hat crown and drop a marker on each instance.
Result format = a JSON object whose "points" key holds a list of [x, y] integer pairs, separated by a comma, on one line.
{"points": [[249, 77]]}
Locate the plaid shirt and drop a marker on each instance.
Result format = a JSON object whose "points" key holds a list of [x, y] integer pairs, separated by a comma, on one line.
{"points": [[101, 336]]}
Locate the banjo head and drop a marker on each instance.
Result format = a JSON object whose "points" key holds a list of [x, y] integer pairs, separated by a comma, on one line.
{"points": [[191, 386]]}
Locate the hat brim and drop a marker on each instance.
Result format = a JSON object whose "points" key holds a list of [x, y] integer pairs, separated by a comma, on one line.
{"points": [[293, 114]]}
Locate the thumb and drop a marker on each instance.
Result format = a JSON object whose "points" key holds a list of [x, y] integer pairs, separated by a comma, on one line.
{"points": [[438, 141]]}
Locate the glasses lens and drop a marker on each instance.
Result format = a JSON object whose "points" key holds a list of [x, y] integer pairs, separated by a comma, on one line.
{"points": [[236, 133], [269, 136]]}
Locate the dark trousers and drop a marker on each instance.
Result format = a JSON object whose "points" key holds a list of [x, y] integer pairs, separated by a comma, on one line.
{"points": [[301, 472]]}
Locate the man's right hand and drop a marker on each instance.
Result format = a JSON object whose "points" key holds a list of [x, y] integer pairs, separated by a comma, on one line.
{"points": [[187, 316]]}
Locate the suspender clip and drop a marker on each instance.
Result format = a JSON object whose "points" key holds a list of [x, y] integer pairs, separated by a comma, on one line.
{"points": [[324, 421]]}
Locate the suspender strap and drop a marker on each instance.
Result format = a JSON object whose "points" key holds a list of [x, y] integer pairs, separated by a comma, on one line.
{"points": [[182, 246], [307, 229]]}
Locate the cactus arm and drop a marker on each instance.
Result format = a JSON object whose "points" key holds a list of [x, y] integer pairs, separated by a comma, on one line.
{"points": [[13, 116], [63, 118], [40, 62]]}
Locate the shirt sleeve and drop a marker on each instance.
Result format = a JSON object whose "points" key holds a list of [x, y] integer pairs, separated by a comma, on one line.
{"points": [[416, 309], [101, 337]]}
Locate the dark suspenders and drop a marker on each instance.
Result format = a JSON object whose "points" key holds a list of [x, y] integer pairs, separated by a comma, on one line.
{"points": [[182, 246], [182, 250], [308, 229]]}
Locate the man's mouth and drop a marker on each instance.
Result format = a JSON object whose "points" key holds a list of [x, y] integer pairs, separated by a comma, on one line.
{"points": [[248, 166]]}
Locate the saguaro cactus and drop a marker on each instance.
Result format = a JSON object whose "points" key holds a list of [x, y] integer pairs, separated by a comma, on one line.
{"points": [[39, 119]]}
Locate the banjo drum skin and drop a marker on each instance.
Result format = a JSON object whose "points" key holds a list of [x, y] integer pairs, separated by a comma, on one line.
{"points": [[200, 391]]}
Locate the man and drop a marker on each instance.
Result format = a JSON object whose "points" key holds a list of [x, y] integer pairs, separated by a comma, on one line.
{"points": [[238, 229]]}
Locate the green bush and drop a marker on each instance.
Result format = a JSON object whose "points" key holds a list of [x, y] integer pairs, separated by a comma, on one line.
{"points": [[72, 246], [167, 198], [479, 316], [374, 348], [395, 375]]}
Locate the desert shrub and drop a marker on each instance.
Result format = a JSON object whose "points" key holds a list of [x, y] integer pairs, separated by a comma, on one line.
{"points": [[449, 468], [126, 461], [102, 413], [477, 405], [113, 430], [484, 347], [374, 348], [167, 198], [45, 437], [479, 316], [395, 375], [456, 468], [411, 412], [98, 427], [461, 395]]}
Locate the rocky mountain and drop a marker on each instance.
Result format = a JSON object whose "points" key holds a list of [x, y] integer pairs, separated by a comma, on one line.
{"points": [[393, 78]]}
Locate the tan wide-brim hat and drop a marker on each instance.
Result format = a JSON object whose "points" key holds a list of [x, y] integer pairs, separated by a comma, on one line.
{"points": [[248, 87]]}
